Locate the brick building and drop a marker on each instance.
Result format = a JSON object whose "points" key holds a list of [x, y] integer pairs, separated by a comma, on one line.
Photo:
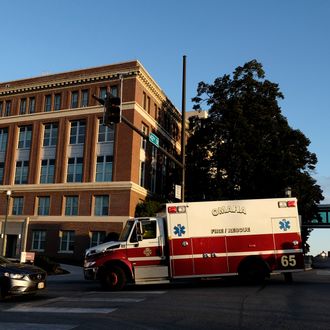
{"points": [[72, 179]]}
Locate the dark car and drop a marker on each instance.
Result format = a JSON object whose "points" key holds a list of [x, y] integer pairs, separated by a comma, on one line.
{"points": [[20, 279]]}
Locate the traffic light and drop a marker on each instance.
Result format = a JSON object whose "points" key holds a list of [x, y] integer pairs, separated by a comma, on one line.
{"points": [[112, 111]]}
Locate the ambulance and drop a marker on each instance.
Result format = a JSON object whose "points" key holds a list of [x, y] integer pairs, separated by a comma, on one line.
{"points": [[249, 238]]}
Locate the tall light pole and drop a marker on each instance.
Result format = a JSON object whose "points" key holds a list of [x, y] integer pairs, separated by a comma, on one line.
{"points": [[4, 241]]}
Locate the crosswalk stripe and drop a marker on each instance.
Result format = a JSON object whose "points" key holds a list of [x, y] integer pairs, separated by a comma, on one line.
{"points": [[123, 300], [129, 292], [35, 326], [22, 309]]}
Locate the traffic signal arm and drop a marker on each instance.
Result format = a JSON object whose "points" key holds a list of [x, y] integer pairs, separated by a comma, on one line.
{"points": [[98, 99], [165, 152]]}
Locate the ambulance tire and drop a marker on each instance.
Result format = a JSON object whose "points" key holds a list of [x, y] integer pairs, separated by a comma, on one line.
{"points": [[253, 272], [114, 278], [288, 278], [3, 293]]}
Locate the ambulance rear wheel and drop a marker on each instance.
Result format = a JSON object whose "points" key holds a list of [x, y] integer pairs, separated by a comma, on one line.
{"points": [[253, 272], [114, 278], [288, 277]]}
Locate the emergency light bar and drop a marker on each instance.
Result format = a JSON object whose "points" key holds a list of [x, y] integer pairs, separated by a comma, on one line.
{"points": [[287, 204], [176, 209]]}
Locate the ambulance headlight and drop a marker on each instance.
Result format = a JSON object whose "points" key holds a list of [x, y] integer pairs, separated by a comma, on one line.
{"points": [[89, 264]]}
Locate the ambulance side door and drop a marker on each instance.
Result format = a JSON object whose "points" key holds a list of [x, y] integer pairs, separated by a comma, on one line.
{"points": [[180, 246]]}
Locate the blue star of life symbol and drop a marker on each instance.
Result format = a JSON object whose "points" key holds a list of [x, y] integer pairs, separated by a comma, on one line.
{"points": [[284, 225], [179, 230]]}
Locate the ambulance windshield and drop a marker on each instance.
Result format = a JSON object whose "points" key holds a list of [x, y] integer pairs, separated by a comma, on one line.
{"points": [[126, 231]]}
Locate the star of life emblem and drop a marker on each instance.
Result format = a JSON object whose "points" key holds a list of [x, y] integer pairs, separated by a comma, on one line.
{"points": [[147, 252]]}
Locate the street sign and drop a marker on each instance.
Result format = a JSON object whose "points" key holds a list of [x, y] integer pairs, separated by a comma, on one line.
{"points": [[154, 139], [178, 191]]}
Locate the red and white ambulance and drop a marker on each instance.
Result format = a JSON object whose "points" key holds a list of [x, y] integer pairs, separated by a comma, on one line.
{"points": [[250, 238]]}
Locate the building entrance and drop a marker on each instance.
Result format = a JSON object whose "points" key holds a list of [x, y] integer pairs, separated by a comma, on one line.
{"points": [[11, 246]]}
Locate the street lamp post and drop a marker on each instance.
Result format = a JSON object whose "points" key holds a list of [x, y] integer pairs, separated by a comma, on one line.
{"points": [[8, 193], [288, 192]]}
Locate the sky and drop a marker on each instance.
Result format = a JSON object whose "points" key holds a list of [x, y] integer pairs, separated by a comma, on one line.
{"points": [[289, 38]]}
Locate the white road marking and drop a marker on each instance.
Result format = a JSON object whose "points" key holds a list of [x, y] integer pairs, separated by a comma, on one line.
{"points": [[83, 299], [323, 272], [24, 309], [35, 326], [129, 292]]}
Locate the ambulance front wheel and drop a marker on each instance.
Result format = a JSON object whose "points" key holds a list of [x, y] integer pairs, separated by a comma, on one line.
{"points": [[114, 278]]}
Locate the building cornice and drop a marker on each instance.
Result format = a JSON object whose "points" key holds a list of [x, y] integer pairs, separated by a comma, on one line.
{"points": [[63, 83], [84, 186]]}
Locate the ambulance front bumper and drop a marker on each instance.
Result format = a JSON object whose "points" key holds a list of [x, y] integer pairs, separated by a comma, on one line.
{"points": [[90, 273]]}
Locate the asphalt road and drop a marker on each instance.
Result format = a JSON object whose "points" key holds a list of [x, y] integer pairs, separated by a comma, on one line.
{"points": [[72, 303]]}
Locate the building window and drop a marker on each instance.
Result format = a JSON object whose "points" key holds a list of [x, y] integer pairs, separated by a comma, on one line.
{"points": [[22, 169], [142, 173], [77, 133], [43, 205], [104, 168], [148, 104], [22, 107], [1, 108], [103, 92], [47, 171], [66, 241], [38, 240], [8, 108], [75, 169], [32, 105], [3, 139], [144, 104], [101, 205], [97, 237], [2, 166], [18, 205], [145, 130], [106, 133], [48, 103], [114, 90], [84, 98], [25, 135], [71, 205], [74, 99], [156, 111], [50, 135], [57, 102]]}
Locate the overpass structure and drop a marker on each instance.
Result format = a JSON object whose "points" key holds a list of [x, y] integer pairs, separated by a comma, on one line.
{"points": [[324, 220]]}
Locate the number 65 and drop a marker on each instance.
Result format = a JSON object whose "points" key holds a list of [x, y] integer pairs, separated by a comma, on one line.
{"points": [[287, 261]]}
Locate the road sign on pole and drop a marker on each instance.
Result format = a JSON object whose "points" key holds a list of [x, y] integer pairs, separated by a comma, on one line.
{"points": [[178, 191], [154, 139]]}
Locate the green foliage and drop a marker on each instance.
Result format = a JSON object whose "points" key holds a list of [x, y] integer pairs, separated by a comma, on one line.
{"points": [[48, 265], [148, 208], [246, 148]]}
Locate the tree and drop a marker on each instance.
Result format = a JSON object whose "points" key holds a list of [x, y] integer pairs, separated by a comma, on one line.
{"points": [[148, 208], [246, 148]]}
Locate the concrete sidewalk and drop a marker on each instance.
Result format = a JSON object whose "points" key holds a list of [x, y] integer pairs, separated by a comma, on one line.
{"points": [[76, 273]]}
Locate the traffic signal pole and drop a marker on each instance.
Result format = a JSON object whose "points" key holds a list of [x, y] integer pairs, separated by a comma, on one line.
{"points": [[183, 129]]}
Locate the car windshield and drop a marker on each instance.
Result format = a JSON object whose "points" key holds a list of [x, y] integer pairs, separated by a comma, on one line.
{"points": [[126, 231], [4, 261]]}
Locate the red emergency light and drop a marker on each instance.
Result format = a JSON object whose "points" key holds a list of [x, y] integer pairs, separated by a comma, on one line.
{"points": [[176, 209], [287, 204]]}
